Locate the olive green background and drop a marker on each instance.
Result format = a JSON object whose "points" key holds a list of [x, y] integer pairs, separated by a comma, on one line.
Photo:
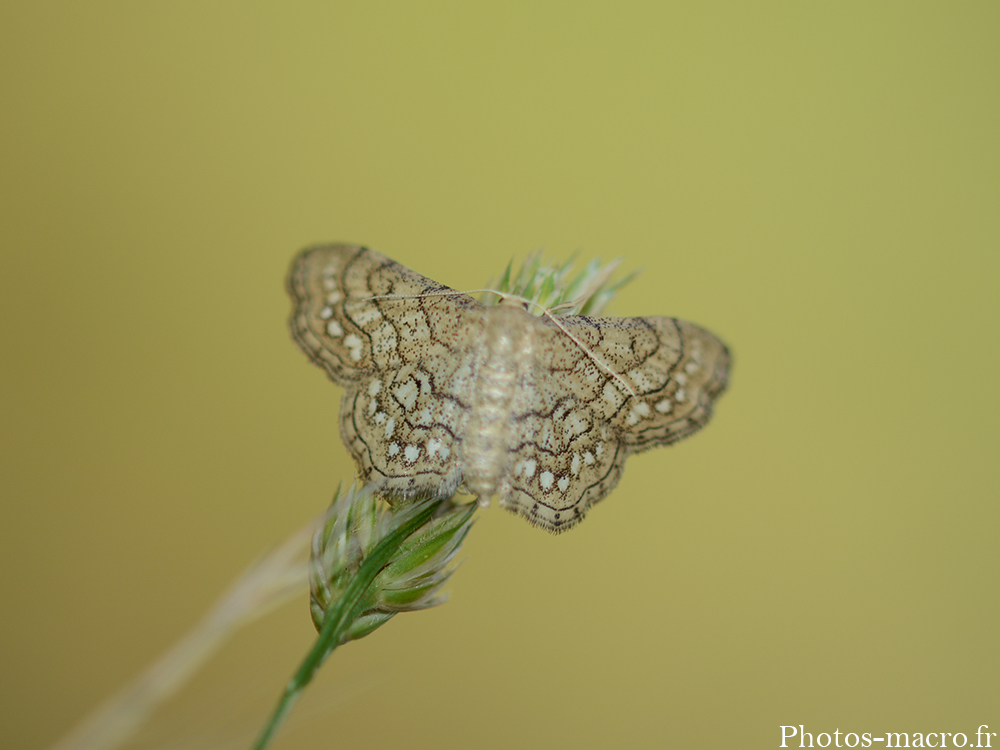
{"points": [[819, 184]]}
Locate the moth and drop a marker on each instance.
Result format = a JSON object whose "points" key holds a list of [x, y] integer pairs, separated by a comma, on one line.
{"points": [[442, 392]]}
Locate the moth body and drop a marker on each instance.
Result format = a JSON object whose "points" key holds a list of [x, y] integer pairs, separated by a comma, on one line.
{"points": [[507, 347]]}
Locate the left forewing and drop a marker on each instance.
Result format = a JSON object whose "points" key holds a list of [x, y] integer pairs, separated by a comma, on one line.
{"points": [[357, 312]]}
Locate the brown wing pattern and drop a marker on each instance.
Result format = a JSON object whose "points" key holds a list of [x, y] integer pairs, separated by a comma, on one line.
{"points": [[349, 334], [603, 389], [668, 374], [406, 362], [408, 352]]}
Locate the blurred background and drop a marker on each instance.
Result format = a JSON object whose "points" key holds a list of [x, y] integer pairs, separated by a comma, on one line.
{"points": [[818, 184]]}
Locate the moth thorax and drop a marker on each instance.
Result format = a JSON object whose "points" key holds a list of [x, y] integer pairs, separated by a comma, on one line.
{"points": [[506, 354]]}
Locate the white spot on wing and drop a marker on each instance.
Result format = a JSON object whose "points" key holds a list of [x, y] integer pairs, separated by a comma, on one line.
{"points": [[333, 329], [575, 425], [563, 483], [407, 394], [411, 453], [353, 344], [366, 315], [393, 449], [665, 406], [390, 427], [639, 411], [612, 395], [641, 380], [383, 340], [545, 479]]}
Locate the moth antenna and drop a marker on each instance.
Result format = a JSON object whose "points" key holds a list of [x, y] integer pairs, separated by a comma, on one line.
{"points": [[590, 353]]}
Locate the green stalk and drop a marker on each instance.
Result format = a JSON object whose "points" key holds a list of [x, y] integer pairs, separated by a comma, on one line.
{"points": [[339, 618]]}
